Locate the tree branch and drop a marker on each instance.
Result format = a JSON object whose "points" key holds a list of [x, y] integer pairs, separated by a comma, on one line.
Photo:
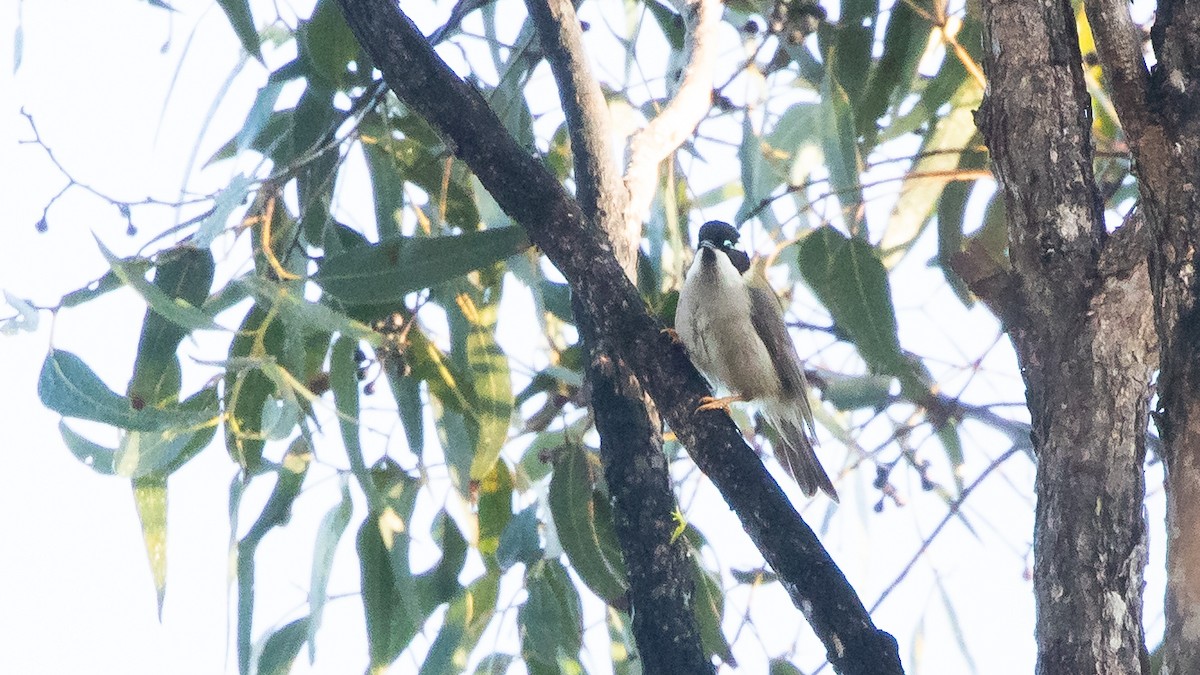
{"points": [[1119, 43], [676, 123], [532, 197], [661, 585]]}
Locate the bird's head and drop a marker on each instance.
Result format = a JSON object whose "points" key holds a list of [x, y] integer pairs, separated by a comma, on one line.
{"points": [[720, 238]]}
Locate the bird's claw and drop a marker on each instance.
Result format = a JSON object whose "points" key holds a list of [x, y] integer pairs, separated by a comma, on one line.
{"points": [[713, 403], [670, 332]]}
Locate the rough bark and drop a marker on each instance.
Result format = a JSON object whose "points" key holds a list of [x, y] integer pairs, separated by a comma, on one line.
{"points": [[554, 221], [1084, 335], [661, 583], [1160, 113]]}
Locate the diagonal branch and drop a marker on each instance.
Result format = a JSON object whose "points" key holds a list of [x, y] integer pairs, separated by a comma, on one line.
{"points": [[1119, 43], [532, 197], [661, 584], [676, 123]]}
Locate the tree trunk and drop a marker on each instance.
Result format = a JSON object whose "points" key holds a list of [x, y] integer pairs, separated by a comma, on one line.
{"points": [[1158, 115], [1080, 317]]}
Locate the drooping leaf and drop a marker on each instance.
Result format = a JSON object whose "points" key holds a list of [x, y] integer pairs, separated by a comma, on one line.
{"points": [[279, 650], [150, 498], [315, 122], [390, 598], [164, 450], [238, 12], [573, 503], [943, 152], [851, 282], [495, 509], [326, 44], [343, 378], [892, 75], [440, 584], [550, 621], [96, 456], [390, 270], [492, 392], [466, 618], [277, 511], [177, 309], [329, 533], [261, 336], [709, 608], [519, 542]]}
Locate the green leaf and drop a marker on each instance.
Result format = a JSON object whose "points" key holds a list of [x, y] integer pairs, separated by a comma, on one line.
{"points": [[780, 666], [260, 337], [551, 624], [316, 121], [150, 498], [495, 509], [893, 75], [390, 598], [277, 511], [343, 378], [469, 614], [440, 584], [162, 451], [238, 12], [279, 650], [177, 310], [709, 608], [941, 154], [785, 156], [838, 137], [854, 37], [70, 388], [390, 270], [622, 645], [519, 542], [109, 282], [227, 201], [853, 285], [328, 534], [406, 389], [96, 456], [493, 397], [327, 45], [856, 392], [573, 503]]}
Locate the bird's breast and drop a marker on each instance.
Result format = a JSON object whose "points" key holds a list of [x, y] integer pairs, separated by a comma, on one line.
{"points": [[720, 335]]}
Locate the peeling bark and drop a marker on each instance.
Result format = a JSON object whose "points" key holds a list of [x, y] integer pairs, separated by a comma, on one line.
{"points": [[1084, 335]]}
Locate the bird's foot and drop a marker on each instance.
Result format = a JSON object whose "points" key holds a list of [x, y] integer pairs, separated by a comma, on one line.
{"points": [[713, 403], [670, 332]]}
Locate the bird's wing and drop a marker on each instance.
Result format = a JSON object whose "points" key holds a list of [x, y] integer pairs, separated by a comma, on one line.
{"points": [[767, 315]]}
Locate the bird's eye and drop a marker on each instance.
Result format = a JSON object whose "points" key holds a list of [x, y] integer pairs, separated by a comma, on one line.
{"points": [[728, 243]]}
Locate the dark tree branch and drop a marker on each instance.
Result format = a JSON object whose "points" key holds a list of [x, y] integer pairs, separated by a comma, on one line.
{"points": [[554, 221], [1083, 333], [661, 584]]}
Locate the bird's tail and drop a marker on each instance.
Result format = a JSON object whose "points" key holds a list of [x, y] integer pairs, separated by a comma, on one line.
{"points": [[793, 420]]}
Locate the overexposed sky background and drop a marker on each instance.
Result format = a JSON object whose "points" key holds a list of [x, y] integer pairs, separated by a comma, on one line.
{"points": [[75, 589]]}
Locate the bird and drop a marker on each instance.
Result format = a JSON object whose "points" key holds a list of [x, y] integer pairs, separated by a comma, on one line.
{"points": [[731, 325]]}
